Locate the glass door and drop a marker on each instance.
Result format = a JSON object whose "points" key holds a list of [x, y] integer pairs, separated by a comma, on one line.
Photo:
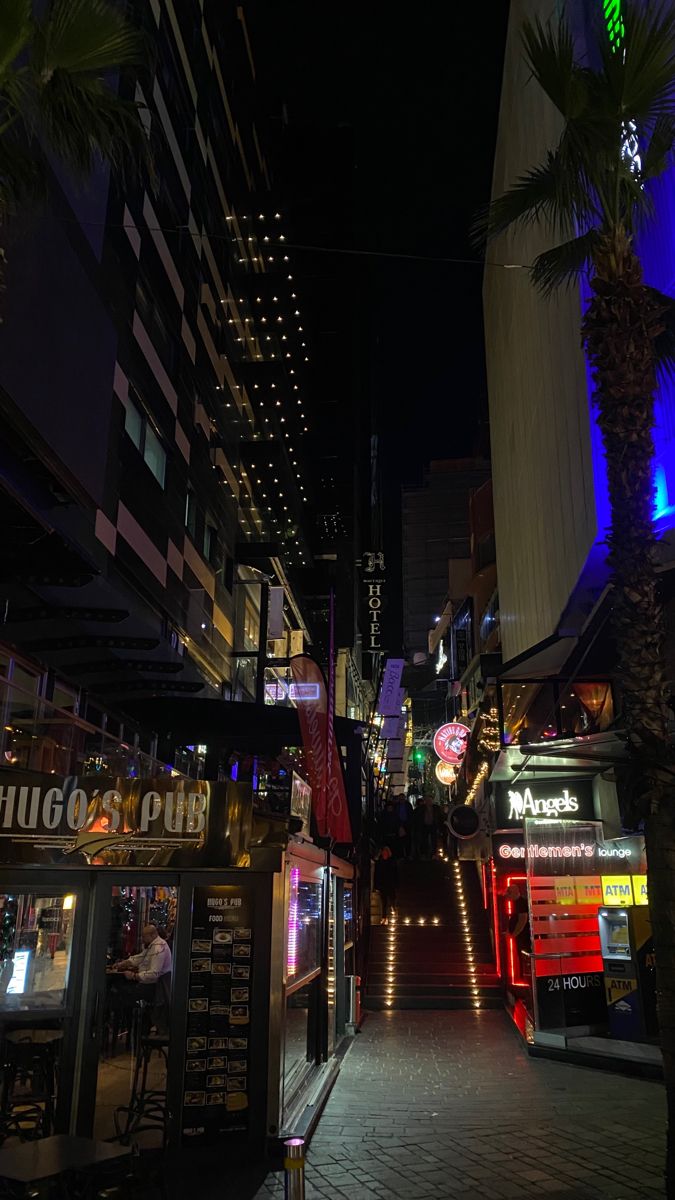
{"points": [[128, 1041], [42, 942]]}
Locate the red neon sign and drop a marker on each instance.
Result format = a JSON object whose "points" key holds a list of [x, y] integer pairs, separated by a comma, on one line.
{"points": [[450, 742], [495, 921], [511, 941]]}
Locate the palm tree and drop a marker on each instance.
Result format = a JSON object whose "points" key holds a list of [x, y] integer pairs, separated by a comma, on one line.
{"points": [[58, 65], [593, 193]]}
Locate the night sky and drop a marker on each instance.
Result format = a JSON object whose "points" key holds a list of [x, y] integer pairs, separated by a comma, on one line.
{"points": [[388, 147], [410, 94]]}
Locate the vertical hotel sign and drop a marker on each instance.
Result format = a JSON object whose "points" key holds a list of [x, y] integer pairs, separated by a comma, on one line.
{"points": [[373, 571]]}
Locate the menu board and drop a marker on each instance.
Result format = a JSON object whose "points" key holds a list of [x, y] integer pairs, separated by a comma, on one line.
{"points": [[215, 1081]]}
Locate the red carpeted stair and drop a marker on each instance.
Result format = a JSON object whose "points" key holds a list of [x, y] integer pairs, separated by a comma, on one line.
{"points": [[436, 951]]}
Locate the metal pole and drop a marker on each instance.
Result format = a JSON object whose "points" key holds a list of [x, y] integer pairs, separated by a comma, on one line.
{"points": [[294, 1169]]}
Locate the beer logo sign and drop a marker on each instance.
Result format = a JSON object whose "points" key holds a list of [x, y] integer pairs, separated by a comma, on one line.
{"points": [[450, 742]]}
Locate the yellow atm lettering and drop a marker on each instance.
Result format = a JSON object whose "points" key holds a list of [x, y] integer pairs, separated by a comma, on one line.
{"points": [[617, 890], [640, 889], [618, 989]]}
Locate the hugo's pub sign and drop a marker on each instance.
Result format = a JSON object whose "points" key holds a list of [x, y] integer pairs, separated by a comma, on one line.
{"points": [[104, 820]]}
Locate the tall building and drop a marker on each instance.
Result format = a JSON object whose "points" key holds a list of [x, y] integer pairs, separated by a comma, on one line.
{"points": [[159, 522], [543, 751], [154, 360], [550, 491], [435, 530]]}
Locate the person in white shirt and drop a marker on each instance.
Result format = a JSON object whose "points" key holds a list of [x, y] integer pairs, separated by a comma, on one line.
{"points": [[153, 961]]}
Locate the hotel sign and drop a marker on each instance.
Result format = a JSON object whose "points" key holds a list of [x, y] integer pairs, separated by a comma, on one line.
{"points": [[554, 799], [373, 596]]}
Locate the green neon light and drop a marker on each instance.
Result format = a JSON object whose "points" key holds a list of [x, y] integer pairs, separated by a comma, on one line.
{"points": [[614, 21]]}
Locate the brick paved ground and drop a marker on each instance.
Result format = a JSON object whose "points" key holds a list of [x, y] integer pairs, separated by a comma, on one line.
{"points": [[448, 1104]]}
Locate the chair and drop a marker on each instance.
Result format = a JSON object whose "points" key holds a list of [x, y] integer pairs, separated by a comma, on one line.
{"points": [[28, 1086]]}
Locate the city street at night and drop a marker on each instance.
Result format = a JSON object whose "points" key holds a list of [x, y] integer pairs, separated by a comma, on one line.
{"points": [[337, 600], [450, 1105]]}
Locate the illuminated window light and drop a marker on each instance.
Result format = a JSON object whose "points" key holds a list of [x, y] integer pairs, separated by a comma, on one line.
{"points": [[293, 923]]}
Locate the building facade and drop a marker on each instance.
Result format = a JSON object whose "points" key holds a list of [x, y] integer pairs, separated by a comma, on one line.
{"points": [[158, 523], [435, 531]]}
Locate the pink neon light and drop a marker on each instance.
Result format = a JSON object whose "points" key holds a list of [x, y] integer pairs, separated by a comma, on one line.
{"points": [[510, 938], [495, 921], [293, 923]]}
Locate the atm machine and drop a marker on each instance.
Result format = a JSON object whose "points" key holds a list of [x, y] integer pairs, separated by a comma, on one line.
{"points": [[630, 975]]}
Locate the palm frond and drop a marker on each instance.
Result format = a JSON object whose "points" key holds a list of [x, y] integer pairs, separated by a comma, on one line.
{"points": [[15, 31], [550, 192], [563, 264], [549, 53], [657, 154], [89, 36], [640, 79], [83, 120], [21, 174]]}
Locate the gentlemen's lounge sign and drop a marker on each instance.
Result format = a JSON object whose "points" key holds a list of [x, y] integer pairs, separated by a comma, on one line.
{"points": [[553, 799], [110, 820]]}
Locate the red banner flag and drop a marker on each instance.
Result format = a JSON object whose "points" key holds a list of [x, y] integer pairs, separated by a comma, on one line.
{"points": [[323, 761]]}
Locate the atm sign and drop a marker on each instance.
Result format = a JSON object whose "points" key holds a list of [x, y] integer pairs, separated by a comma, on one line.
{"points": [[589, 889], [617, 890], [640, 889]]}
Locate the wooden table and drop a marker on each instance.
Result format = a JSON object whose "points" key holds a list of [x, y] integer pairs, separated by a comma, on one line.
{"points": [[48, 1158]]}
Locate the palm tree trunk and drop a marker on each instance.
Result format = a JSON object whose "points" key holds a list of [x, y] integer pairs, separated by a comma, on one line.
{"points": [[619, 331], [660, 840]]}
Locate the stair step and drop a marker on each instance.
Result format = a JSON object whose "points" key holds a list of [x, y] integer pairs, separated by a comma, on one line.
{"points": [[434, 1002]]}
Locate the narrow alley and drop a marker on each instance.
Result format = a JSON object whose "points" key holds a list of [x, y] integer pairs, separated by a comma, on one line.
{"points": [[449, 1104]]}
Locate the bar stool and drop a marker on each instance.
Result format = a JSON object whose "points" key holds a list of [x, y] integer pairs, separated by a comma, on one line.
{"points": [[29, 1061], [146, 1109]]}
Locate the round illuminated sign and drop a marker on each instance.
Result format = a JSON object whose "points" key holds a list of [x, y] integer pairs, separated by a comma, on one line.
{"points": [[445, 773], [464, 821], [450, 742]]}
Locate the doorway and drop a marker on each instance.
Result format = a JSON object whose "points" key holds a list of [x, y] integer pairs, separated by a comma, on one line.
{"points": [[131, 966]]}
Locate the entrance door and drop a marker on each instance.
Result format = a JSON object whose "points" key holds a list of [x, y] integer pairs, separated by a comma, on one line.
{"points": [[127, 1038], [43, 922]]}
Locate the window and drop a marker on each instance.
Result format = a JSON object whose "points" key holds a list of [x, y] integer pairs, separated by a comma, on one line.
{"points": [[133, 424], [145, 439], [154, 455], [191, 513], [210, 542]]}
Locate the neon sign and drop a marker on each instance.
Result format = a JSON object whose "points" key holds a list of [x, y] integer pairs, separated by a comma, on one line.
{"points": [[450, 742], [523, 804], [582, 850], [293, 924], [445, 773]]}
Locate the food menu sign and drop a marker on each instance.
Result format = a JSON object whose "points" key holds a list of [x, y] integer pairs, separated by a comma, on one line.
{"points": [[217, 1052]]}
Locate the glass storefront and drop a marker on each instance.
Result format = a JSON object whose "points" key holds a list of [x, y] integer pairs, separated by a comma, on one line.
{"points": [[35, 951], [135, 1028]]}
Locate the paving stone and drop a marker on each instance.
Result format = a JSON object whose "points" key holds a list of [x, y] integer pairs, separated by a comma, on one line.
{"points": [[443, 1105]]}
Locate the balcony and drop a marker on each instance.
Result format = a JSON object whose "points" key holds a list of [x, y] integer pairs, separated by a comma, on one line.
{"points": [[37, 736], [535, 711]]}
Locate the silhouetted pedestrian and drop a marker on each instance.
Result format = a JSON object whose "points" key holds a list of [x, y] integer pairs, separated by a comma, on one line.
{"points": [[386, 881]]}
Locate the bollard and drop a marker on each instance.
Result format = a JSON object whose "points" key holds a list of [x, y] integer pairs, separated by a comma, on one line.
{"points": [[294, 1169]]}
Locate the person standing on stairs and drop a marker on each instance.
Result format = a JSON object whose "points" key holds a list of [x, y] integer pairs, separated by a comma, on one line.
{"points": [[427, 828], [386, 881]]}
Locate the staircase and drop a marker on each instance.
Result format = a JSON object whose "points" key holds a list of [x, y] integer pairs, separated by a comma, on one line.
{"points": [[436, 950]]}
